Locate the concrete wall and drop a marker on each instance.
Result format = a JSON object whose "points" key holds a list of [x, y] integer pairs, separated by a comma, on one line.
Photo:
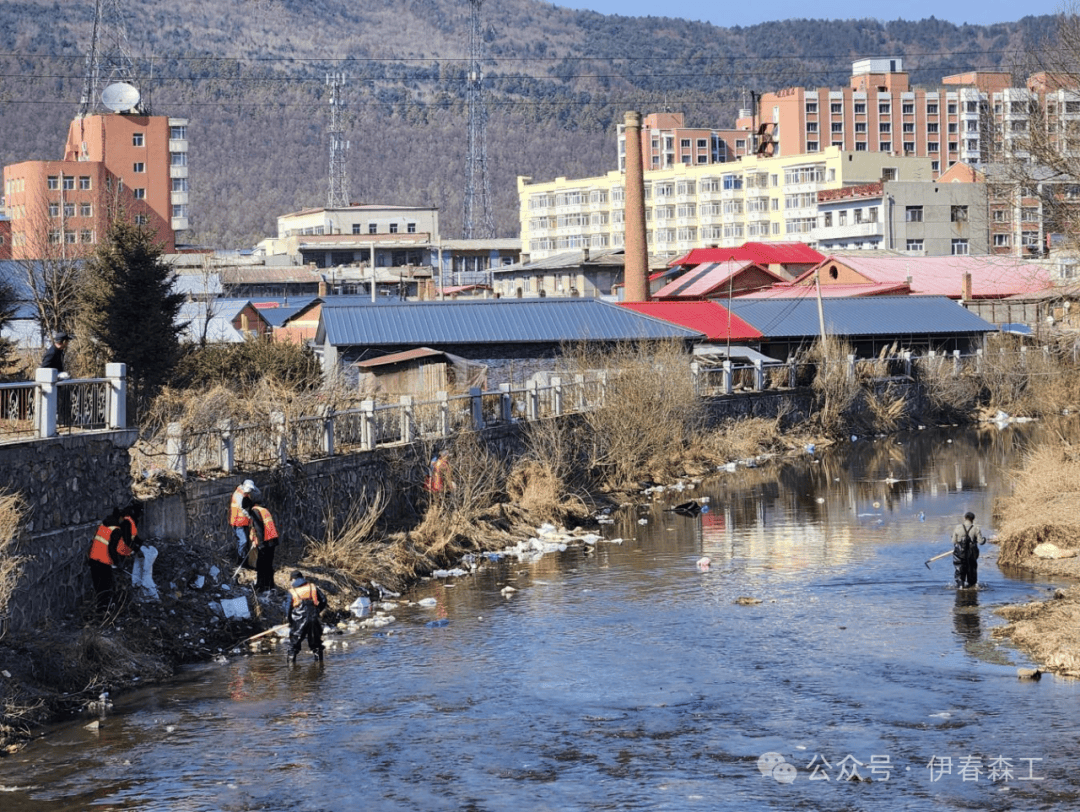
{"points": [[68, 484]]}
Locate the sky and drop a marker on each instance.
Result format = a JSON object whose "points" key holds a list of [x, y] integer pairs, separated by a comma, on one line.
{"points": [[729, 15]]}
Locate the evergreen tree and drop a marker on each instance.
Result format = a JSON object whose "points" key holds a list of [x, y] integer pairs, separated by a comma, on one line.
{"points": [[127, 310]]}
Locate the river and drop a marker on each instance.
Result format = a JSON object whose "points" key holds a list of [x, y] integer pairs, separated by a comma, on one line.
{"points": [[626, 678]]}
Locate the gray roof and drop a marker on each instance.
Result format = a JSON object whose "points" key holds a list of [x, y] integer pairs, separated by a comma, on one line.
{"points": [[859, 316], [608, 258], [491, 321]]}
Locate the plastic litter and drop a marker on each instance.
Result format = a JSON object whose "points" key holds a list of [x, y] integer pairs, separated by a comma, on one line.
{"points": [[427, 602], [360, 607], [235, 608], [435, 624], [142, 574]]}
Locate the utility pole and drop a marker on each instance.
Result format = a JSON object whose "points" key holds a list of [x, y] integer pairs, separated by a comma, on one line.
{"points": [[477, 220]]}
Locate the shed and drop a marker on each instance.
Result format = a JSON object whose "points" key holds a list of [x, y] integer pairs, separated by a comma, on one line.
{"points": [[422, 372]]}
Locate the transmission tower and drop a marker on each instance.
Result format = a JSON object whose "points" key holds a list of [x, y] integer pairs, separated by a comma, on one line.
{"points": [[478, 221], [108, 61], [337, 196]]}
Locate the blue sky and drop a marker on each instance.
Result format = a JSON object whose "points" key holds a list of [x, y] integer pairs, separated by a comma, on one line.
{"points": [[732, 14]]}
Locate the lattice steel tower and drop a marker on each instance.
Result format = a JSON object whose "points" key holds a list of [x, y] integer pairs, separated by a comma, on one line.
{"points": [[108, 60], [337, 196], [478, 221]]}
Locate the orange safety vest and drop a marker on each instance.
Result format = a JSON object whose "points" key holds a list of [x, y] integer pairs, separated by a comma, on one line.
{"points": [[269, 529], [236, 509], [440, 475], [306, 592], [99, 547]]}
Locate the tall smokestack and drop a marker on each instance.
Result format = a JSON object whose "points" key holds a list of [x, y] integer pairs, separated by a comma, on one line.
{"points": [[636, 252]]}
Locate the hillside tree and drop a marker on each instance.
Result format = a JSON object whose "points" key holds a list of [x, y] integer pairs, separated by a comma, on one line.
{"points": [[128, 311]]}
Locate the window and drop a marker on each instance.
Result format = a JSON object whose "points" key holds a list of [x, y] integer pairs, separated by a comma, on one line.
{"points": [[932, 127], [54, 209], [84, 183], [68, 183], [884, 146], [860, 108], [841, 218], [913, 214], [181, 185], [860, 126], [811, 146], [860, 146], [138, 166], [372, 228], [958, 214], [702, 159], [686, 158], [838, 126], [907, 108], [914, 245], [885, 127], [931, 108], [774, 180], [137, 140], [410, 228], [69, 237], [54, 236], [69, 209], [826, 219], [811, 107], [952, 127], [883, 108], [178, 132], [684, 143], [931, 146], [86, 210], [393, 228], [959, 248], [811, 127], [178, 159], [179, 210], [1002, 216], [909, 146], [54, 182], [141, 219], [86, 236], [889, 173], [908, 127], [1029, 214], [702, 143], [951, 108], [1001, 241], [356, 228], [836, 107], [140, 194]]}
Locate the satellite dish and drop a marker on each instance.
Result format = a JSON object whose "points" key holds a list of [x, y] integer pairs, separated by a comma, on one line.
{"points": [[120, 97]]}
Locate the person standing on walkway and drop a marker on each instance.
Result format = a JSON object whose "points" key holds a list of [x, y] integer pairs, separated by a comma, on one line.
{"points": [[105, 552], [966, 539], [264, 538], [54, 356], [302, 607], [243, 499]]}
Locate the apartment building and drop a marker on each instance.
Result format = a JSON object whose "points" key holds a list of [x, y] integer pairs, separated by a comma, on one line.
{"points": [[926, 219], [114, 162], [757, 198], [666, 141]]}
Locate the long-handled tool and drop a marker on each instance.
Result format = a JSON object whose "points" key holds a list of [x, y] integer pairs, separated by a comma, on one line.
{"points": [[929, 561], [271, 630]]}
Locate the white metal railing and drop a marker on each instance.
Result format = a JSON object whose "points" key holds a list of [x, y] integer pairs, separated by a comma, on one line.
{"points": [[48, 406]]}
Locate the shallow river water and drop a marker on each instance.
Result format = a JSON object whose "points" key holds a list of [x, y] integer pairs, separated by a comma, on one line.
{"points": [[627, 679]]}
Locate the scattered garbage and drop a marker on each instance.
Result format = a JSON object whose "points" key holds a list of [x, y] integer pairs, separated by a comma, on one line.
{"points": [[361, 606], [235, 608], [142, 574], [427, 602], [435, 624], [704, 563]]}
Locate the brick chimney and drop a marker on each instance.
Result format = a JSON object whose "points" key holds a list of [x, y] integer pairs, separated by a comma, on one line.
{"points": [[322, 288], [967, 286], [636, 254]]}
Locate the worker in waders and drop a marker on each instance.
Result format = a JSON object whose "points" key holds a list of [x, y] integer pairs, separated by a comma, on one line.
{"points": [[106, 549], [264, 538], [966, 539], [240, 505], [303, 607]]}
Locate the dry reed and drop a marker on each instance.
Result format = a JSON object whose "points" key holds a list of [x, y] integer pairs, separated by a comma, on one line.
{"points": [[12, 509], [1042, 506]]}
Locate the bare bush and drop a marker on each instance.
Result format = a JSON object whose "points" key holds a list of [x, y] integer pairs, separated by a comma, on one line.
{"points": [[348, 546], [649, 414], [550, 480], [12, 509], [742, 439], [836, 388]]}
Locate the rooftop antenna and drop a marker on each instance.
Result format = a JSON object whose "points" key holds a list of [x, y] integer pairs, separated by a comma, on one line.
{"points": [[338, 192], [478, 220], [109, 63]]}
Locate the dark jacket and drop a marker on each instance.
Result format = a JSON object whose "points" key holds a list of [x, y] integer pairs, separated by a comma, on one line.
{"points": [[966, 539], [53, 358]]}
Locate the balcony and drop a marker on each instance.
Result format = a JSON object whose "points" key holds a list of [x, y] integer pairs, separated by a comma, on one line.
{"points": [[179, 224], [178, 145], [178, 171], [849, 231], [176, 198]]}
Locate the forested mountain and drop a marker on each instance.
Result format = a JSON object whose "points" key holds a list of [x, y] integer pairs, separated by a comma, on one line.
{"points": [[251, 77]]}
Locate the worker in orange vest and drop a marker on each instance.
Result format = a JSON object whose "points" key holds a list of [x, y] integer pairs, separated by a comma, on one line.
{"points": [[240, 516], [439, 480], [303, 606], [106, 550], [264, 538]]}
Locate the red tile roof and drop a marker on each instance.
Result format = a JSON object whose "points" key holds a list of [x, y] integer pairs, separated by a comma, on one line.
{"points": [[709, 318]]}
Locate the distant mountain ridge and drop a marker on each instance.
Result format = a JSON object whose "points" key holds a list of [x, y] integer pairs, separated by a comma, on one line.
{"points": [[250, 76]]}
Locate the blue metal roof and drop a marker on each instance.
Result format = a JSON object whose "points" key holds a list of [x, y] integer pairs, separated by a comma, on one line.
{"points": [[492, 321], [862, 316]]}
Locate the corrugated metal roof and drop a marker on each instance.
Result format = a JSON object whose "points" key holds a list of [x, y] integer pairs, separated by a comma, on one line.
{"points": [[712, 276], [613, 257], [705, 317], [786, 291], [991, 277], [764, 253], [491, 321], [875, 315]]}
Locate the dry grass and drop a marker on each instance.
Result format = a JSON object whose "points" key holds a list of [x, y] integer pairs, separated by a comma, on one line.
{"points": [[650, 413], [742, 439], [349, 546], [1042, 506], [12, 510]]}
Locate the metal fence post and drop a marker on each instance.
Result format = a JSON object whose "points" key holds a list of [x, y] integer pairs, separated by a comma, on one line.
{"points": [[956, 363], [727, 378], [506, 403], [367, 425], [556, 395], [792, 374], [477, 401], [46, 401], [759, 375], [444, 413], [227, 450], [174, 449], [117, 375], [407, 418]]}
